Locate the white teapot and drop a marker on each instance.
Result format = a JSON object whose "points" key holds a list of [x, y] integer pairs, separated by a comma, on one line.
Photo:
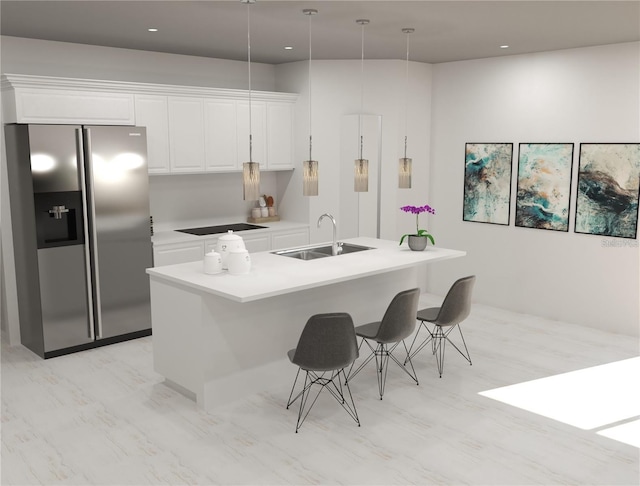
{"points": [[239, 261], [226, 243]]}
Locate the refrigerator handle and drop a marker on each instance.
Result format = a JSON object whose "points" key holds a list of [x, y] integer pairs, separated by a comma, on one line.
{"points": [[88, 211]]}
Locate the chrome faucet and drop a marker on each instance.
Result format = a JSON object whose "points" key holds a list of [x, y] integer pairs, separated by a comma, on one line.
{"points": [[335, 247]]}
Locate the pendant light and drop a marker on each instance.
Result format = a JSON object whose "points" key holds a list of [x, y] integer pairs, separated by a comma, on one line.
{"points": [[361, 168], [404, 166], [310, 167], [251, 169]]}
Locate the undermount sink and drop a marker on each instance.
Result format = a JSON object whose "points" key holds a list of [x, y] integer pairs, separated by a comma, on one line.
{"points": [[312, 253]]}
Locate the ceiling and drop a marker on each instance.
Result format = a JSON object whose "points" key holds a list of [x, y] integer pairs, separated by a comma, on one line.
{"points": [[445, 31]]}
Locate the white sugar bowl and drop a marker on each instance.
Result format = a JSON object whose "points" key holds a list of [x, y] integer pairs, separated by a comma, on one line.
{"points": [[239, 262], [212, 263], [226, 243]]}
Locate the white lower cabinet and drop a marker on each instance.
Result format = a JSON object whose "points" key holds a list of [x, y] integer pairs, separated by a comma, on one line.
{"points": [[254, 244], [289, 238], [174, 253], [210, 245]]}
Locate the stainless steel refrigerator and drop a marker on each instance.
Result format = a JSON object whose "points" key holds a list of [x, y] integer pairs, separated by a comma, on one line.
{"points": [[79, 198]]}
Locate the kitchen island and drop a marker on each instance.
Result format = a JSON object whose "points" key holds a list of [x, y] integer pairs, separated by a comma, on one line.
{"points": [[219, 337]]}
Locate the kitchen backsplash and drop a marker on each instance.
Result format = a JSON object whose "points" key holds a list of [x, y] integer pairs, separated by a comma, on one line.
{"points": [[177, 198]]}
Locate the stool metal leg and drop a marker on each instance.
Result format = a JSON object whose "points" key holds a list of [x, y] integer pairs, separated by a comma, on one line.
{"points": [[442, 338], [328, 383], [428, 339]]}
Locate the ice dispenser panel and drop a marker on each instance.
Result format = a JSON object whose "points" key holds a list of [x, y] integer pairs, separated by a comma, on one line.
{"points": [[58, 218]]}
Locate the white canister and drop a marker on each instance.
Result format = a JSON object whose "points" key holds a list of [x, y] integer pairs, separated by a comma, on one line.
{"points": [[212, 263], [255, 213], [239, 262], [264, 212], [227, 243]]}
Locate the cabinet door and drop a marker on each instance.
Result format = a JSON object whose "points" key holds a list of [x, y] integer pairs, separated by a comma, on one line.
{"points": [[289, 239], [258, 131], [151, 112], [34, 105], [257, 243], [221, 139], [210, 245], [279, 135], [186, 134], [177, 253]]}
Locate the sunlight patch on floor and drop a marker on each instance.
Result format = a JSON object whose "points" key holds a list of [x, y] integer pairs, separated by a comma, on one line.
{"points": [[628, 433], [589, 398]]}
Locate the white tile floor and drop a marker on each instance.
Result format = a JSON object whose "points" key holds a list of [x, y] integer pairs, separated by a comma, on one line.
{"points": [[104, 417]]}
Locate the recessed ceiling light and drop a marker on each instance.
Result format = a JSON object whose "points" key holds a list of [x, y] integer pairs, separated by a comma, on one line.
{"points": [[288, 48], [152, 30], [504, 47]]}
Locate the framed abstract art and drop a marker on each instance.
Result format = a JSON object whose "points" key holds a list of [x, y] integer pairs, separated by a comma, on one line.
{"points": [[487, 182], [608, 189], [544, 185]]}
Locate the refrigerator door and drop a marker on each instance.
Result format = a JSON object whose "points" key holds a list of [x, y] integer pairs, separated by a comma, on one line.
{"points": [[65, 297], [120, 239]]}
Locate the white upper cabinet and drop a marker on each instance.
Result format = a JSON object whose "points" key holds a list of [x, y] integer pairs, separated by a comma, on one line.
{"points": [[186, 134], [40, 99], [152, 113], [220, 135], [258, 132], [279, 135], [189, 129]]}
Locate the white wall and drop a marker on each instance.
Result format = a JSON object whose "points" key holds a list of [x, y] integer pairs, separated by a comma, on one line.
{"points": [[48, 58], [178, 199], [580, 95], [336, 91]]}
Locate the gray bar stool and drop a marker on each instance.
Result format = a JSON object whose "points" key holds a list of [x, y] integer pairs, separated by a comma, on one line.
{"points": [[455, 309], [326, 347], [398, 322]]}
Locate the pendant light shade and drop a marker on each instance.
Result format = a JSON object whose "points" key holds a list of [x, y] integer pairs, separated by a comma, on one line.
{"points": [[361, 175], [404, 173], [310, 178], [310, 167], [250, 181], [404, 165], [251, 169], [361, 167]]}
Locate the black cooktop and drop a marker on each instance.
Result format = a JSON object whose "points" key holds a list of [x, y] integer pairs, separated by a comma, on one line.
{"points": [[223, 228]]}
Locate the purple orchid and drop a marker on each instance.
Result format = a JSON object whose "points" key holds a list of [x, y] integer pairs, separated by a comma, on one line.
{"points": [[417, 210]]}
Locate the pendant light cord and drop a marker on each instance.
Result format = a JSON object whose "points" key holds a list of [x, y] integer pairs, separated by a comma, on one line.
{"points": [[310, 14], [362, 24], [406, 95], [249, 64]]}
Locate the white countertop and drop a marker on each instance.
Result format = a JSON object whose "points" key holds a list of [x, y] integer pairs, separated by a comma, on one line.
{"points": [[167, 234], [273, 275]]}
